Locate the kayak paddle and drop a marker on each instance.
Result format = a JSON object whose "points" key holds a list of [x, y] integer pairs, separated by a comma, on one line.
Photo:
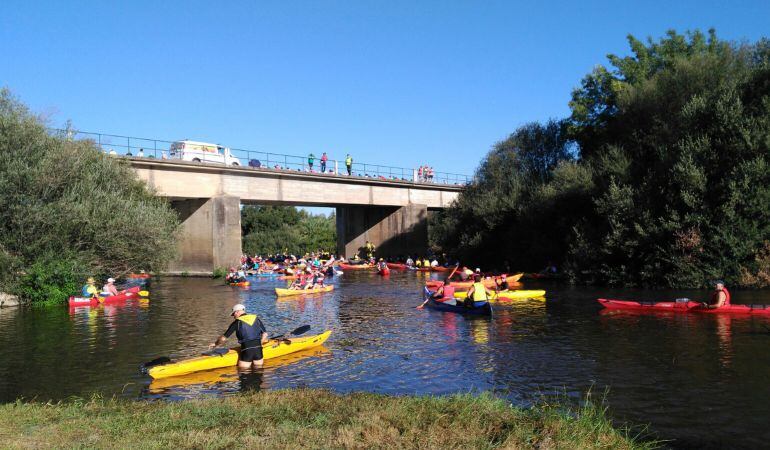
{"points": [[297, 331]]}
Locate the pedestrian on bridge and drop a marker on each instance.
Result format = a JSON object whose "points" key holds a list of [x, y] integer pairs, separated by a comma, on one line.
{"points": [[324, 158], [349, 164], [310, 160]]}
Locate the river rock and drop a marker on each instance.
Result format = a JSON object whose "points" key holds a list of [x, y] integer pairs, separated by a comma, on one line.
{"points": [[7, 300]]}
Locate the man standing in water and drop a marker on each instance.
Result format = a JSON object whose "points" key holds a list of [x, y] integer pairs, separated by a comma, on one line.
{"points": [[720, 297], [251, 335]]}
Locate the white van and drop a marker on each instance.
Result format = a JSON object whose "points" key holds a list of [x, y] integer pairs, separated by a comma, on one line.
{"points": [[202, 152]]}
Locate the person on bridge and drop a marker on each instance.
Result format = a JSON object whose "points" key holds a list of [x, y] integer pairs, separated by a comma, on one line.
{"points": [[109, 288], [251, 334], [310, 160], [720, 297], [349, 164], [477, 293], [324, 158]]}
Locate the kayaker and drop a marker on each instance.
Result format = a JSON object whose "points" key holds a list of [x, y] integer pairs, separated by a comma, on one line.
{"points": [[409, 261], [89, 289], [466, 274], [382, 265], [109, 288], [434, 263], [318, 279], [251, 334], [720, 297], [369, 249], [502, 283], [445, 293], [477, 293]]}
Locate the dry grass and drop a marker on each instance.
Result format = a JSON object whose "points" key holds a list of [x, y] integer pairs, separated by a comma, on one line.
{"points": [[307, 418]]}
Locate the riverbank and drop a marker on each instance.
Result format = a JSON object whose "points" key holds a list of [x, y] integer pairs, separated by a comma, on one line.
{"points": [[308, 418]]}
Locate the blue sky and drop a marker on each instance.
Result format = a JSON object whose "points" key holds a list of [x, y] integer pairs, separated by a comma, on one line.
{"points": [[392, 82]]}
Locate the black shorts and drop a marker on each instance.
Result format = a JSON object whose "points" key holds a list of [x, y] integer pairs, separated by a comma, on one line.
{"points": [[250, 354]]}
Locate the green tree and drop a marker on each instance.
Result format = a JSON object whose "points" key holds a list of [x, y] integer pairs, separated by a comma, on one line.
{"points": [[275, 229], [670, 185], [72, 211]]}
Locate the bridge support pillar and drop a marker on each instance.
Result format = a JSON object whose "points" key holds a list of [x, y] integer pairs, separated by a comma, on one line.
{"points": [[211, 234], [393, 230]]}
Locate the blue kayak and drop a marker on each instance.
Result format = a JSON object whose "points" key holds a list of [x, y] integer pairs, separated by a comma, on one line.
{"points": [[479, 308]]}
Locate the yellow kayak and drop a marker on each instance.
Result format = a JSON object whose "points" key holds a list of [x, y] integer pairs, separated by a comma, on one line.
{"points": [[225, 374], [272, 349], [286, 292], [508, 295]]}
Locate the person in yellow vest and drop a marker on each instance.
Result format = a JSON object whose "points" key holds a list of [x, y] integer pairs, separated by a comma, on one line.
{"points": [[89, 289], [477, 293], [369, 249], [251, 335], [425, 262]]}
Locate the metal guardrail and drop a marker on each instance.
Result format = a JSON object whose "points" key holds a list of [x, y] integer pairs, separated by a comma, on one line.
{"points": [[157, 148]]}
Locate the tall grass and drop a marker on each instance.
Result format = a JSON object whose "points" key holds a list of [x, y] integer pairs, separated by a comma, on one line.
{"points": [[307, 418]]}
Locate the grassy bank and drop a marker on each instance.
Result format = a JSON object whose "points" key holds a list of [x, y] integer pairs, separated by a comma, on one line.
{"points": [[307, 418]]}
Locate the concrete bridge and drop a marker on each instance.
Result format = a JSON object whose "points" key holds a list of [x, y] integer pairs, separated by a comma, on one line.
{"points": [[391, 214]]}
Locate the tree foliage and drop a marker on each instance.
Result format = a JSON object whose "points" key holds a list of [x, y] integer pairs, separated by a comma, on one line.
{"points": [[286, 230], [70, 211], [669, 183]]}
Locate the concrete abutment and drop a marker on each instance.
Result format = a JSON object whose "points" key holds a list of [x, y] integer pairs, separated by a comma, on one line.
{"points": [[210, 235], [394, 231]]}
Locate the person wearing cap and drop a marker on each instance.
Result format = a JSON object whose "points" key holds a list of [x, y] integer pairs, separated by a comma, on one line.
{"points": [[251, 334], [89, 289], [382, 265], [720, 297], [109, 288]]}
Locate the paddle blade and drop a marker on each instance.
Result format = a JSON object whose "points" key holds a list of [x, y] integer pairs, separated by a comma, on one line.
{"points": [[144, 293], [216, 352], [301, 330], [156, 362]]}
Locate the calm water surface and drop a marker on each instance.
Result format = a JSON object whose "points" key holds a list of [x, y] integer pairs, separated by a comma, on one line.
{"points": [[701, 380]]}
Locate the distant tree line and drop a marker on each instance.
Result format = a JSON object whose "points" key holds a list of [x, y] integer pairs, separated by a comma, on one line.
{"points": [[660, 175], [68, 211], [270, 230]]}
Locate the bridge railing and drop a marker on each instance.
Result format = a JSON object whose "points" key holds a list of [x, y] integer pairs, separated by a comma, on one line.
{"points": [[159, 149]]}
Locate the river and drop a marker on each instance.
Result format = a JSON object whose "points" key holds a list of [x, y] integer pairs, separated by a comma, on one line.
{"points": [[699, 380]]}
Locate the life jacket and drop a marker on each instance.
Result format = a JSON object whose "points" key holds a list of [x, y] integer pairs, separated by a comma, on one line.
{"points": [[715, 297], [248, 329], [479, 292], [449, 292], [348, 161], [89, 291]]}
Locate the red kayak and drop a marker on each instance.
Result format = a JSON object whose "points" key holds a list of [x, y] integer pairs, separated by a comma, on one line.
{"points": [[648, 306], [91, 301], [138, 275], [384, 272], [397, 266], [683, 306]]}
